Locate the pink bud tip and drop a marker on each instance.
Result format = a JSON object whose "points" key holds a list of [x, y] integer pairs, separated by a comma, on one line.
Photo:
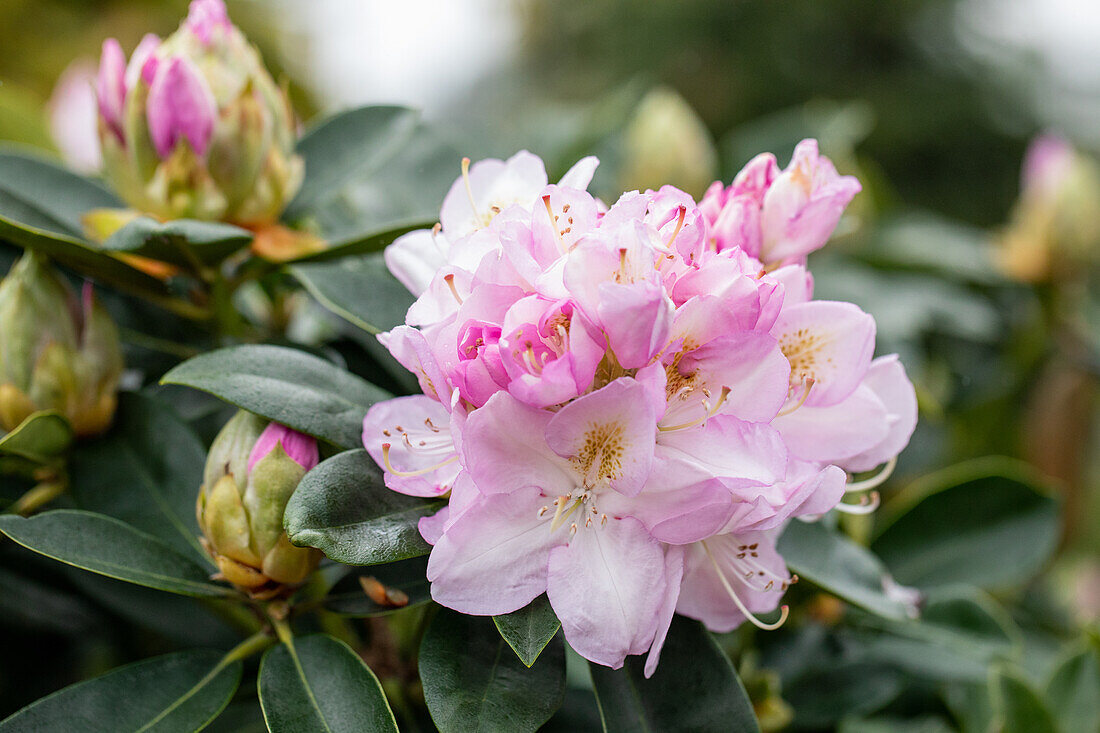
{"points": [[205, 17], [299, 446], [110, 85], [180, 105]]}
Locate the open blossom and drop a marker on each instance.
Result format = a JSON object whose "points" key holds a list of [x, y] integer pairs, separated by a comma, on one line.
{"points": [[626, 404]]}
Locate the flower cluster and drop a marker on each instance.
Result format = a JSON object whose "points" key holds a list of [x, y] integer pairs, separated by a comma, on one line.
{"points": [[626, 404], [194, 125]]}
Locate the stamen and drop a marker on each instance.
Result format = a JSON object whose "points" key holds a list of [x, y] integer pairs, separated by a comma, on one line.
{"points": [[561, 515], [875, 481], [710, 412], [421, 472], [679, 224], [553, 222], [867, 504], [784, 611], [450, 280], [809, 384], [469, 190]]}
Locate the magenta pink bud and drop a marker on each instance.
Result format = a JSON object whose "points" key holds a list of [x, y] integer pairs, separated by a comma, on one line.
{"points": [[143, 63], [1048, 160], [299, 446], [110, 85], [205, 17], [180, 105]]}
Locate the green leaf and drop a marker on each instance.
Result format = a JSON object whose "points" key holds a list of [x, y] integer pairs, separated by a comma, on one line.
{"points": [[51, 196], [348, 598], [925, 724], [185, 242], [529, 629], [286, 385], [473, 681], [343, 508], [961, 632], [694, 688], [146, 471], [358, 289], [317, 683], [1073, 692], [42, 437], [984, 522], [369, 172], [177, 692], [41, 206], [359, 244], [28, 603], [109, 547], [835, 563], [1016, 706], [839, 689]]}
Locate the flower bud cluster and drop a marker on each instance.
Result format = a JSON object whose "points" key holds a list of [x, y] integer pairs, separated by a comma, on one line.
{"points": [[57, 351], [194, 126], [626, 404], [252, 469]]}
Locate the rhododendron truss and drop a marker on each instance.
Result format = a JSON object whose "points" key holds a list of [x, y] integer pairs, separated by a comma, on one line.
{"points": [[626, 404]]}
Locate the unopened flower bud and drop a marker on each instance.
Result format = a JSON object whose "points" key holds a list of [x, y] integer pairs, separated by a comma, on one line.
{"points": [[251, 471], [1055, 225], [57, 351], [195, 126]]}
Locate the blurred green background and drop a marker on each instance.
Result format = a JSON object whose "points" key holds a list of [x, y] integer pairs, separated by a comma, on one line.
{"points": [[930, 102]]}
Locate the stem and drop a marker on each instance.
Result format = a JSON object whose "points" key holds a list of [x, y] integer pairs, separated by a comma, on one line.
{"points": [[228, 321], [282, 628], [39, 496], [252, 645]]}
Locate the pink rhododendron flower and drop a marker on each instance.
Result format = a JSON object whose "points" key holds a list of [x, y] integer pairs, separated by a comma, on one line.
{"points": [[625, 405]]}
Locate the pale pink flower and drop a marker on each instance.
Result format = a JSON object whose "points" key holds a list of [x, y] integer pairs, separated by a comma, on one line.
{"points": [[803, 205]]}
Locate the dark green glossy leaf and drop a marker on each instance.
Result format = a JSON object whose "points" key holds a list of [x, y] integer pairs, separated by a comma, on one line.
{"points": [[835, 563], [146, 471], [1073, 692], [349, 598], [177, 692], [53, 197], [360, 244], [985, 523], [42, 437], [359, 289], [529, 629], [838, 689], [961, 632], [473, 681], [319, 684], [41, 206], [29, 603], [109, 547], [1016, 706], [343, 508], [370, 172], [927, 724], [286, 385], [185, 242], [176, 618], [695, 688]]}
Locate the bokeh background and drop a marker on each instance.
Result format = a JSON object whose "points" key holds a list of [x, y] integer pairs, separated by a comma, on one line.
{"points": [[932, 103]]}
